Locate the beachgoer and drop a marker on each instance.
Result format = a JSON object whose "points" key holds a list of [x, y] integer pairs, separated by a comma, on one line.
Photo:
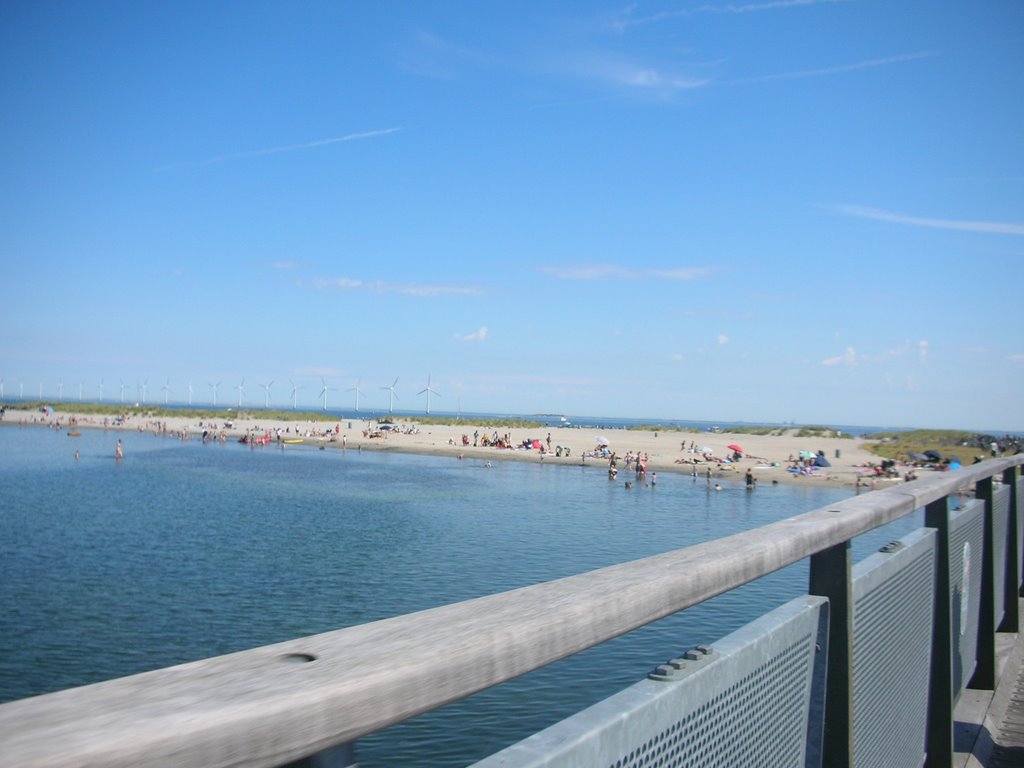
{"points": [[654, 479], [77, 455], [718, 487], [750, 480], [119, 450]]}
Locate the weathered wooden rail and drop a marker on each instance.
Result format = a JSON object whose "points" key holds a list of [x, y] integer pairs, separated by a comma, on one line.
{"points": [[313, 695]]}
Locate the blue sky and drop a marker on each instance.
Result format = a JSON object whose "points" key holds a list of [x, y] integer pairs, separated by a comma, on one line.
{"points": [[761, 211]]}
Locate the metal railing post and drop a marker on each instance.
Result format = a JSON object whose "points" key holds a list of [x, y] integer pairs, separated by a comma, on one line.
{"points": [[941, 698], [830, 577], [1011, 619], [985, 668]]}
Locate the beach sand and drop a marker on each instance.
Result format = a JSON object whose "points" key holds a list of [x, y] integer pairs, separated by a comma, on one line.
{"points": [[769, 457]]}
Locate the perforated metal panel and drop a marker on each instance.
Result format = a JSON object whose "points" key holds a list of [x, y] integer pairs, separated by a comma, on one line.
{"points": [[966, 540], [892, 643], [748, 703], [1000, 524]]}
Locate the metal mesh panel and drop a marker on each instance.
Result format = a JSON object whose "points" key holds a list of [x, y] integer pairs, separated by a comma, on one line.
{"points": [[1020, 528], [747, 703], [892, 639], [1000, 523], [966, 540]]}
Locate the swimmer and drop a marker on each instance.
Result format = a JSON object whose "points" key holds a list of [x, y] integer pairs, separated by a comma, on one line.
{"points": [[718, 487], [629, 484]]}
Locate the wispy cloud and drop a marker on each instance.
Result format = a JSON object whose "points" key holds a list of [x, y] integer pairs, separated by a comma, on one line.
{"points": [[722, 339], [289, 148], [480, 335], [626, 75], [627, 19], [342, 283], [848, 358], [1016, 358], [284, 264], [411, 289], [380, 286], [837, 70], [615, 272], [992, 227]]}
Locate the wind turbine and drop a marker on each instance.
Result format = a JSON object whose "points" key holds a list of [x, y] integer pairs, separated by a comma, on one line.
{"points": [[267, 388], [166, 388], [190, 394], [79, 391], [324, 391], [60, 390], [145, 384], [241, 391], [392, 396], [215, 392], [40, 390], [122, 391], [358, 392], [101, 390], [21, 390], [1, 389], [295, 388], [428, 390]]}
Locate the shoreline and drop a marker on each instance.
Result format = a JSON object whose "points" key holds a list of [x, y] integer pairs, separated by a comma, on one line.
{"points": [[769, 457]]}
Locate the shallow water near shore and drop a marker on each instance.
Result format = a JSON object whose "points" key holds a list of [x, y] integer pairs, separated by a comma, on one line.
{"points": [[184, 551]]}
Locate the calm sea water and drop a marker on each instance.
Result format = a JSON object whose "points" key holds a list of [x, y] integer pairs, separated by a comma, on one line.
{"points": [[183, 551]]}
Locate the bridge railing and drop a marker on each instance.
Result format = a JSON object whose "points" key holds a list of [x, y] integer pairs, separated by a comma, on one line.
{"points": [[313, 697]]}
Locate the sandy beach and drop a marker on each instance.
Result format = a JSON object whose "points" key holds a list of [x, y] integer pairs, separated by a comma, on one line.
{"points": [[769, 457]]}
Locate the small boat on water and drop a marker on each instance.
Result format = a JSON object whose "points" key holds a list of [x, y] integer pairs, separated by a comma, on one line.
{"points": [[293, 441], [74, 433]]}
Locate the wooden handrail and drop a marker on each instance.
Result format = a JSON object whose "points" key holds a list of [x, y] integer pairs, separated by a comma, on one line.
{"points": [[277, 703]]}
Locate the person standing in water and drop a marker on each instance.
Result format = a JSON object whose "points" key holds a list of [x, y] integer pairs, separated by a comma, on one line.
{"points": [[119, 450]]}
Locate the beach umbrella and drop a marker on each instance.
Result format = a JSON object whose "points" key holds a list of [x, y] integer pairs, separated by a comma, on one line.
{"points": [[734, 447], [602, 440]]}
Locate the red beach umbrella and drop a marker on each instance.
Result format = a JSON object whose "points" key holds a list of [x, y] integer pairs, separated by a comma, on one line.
{"points": [[734, 447]]}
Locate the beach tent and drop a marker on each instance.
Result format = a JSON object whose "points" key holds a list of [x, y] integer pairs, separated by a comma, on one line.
{"points": [[933, 455], [821, 461], [917, 456]]}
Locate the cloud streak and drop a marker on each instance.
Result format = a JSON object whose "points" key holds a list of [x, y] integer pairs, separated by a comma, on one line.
{"points": [[838, 70], [731, 9], [595, 272], [848, 358], [480, 335], [289, 148], [406, 289], [988, 227]]}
